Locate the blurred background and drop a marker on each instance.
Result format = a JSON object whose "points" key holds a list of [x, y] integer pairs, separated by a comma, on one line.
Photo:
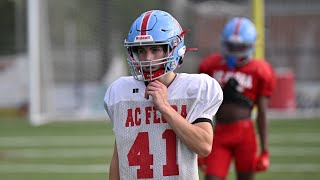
{"points": [[58, 57]]}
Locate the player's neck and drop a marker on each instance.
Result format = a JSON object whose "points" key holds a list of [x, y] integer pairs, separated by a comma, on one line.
{"points": [[168, 78]]}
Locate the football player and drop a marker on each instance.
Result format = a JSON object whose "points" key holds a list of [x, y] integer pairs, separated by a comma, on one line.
{"points": [[246, 82], [162, 120]]}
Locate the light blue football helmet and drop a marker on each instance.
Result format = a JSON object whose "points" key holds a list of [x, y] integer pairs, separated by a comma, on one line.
{"points": [[238, 41], [155, 27]]}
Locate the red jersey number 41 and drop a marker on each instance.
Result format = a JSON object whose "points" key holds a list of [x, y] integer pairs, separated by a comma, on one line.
{"points": [[139, 155]]}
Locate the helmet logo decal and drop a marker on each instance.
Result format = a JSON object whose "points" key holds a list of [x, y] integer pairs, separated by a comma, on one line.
{"points": [[143, 38], [145, 22]]}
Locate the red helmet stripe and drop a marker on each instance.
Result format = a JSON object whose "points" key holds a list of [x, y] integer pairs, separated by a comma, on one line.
{"points": [[144, 23], [236, 30]]}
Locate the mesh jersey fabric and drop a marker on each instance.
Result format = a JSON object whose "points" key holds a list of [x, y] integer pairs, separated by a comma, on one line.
{"points": [[145, 141]]}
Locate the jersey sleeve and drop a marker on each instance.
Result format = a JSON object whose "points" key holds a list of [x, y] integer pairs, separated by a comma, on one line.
{"points": [[209, 101], [266, 81], [109, 101]]}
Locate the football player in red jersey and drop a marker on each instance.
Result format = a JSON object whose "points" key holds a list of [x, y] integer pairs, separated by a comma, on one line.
{"points": [[246, 82]]}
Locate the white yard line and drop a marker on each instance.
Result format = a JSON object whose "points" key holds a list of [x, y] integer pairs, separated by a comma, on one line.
{"points": [[300, 168], [61, 153], [104, 168], [53, 168], [105, 151], [294, 137], [21, 141], [294, 151], [29, 141]]}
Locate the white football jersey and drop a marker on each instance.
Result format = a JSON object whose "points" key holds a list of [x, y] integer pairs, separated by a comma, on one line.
{"points": [[147, 146]]}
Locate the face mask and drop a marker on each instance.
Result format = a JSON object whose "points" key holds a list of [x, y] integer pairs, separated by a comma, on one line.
{"points": [[231, 61]]}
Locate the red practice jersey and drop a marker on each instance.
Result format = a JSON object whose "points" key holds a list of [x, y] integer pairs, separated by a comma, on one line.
{"points": [[256, 78]]}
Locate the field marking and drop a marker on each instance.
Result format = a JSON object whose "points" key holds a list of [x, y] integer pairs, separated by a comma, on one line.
{"points": [[301, 168], [57, 153], [54, 168], [294, 137], [294, 151], [27, 141], [14, 140], [105, 151], [104, 168]]}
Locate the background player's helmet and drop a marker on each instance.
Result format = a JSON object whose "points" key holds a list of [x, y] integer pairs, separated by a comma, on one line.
{"points": [[155, 28], [238, 41]]}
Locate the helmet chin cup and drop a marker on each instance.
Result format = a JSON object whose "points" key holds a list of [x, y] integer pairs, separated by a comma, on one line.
{"points": [[231, 61]]}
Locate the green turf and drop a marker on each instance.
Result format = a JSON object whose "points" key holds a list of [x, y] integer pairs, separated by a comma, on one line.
{"points": [[82, 151]]}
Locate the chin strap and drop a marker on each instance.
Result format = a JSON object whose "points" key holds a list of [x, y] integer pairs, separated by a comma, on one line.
{"points": [[155, 74]]}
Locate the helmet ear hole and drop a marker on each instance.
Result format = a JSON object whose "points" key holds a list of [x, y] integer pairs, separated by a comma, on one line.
{"points": [[181, 51]]}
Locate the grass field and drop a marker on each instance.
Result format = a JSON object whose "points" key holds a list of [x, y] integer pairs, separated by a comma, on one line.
{"points": [[82, 151]]}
